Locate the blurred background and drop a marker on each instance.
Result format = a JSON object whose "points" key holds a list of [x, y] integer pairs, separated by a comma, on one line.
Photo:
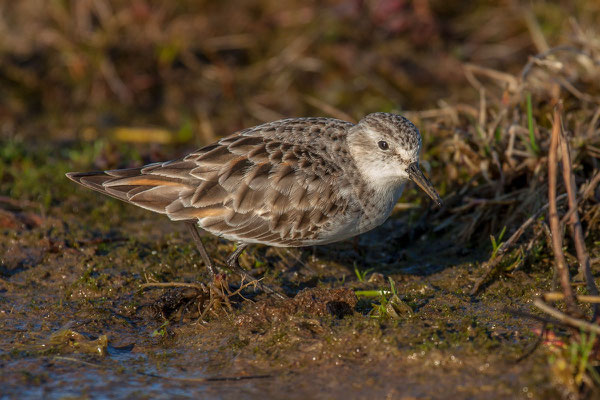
{"points": [[196, 70]]}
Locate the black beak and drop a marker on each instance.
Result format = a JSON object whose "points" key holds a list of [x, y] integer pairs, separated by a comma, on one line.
{"points": [[418, 177]]}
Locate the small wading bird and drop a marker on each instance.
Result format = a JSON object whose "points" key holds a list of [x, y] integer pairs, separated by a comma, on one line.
{"points": [[289, 183]]}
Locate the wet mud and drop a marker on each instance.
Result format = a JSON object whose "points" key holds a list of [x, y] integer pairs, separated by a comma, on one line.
{"points": [[76, 321]]}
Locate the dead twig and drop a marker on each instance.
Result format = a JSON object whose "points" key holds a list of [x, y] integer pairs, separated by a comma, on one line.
{"points": [[566, 319], [557, 239], [576, 229], [472, 69], [541, 56], [556, 296], [172, 284]]}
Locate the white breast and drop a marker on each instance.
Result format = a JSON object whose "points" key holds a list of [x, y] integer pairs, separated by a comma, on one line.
{"points": [[358, 222]]}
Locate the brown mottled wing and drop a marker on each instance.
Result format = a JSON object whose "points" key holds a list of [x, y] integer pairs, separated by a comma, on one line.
{"points": [[256, 189], [246, 188]]}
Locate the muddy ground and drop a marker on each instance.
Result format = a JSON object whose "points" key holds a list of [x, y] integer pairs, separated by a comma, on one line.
{"points": [[76, 324]]}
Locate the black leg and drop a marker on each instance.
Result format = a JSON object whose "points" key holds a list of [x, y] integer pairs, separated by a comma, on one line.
{"points": [[234, 264], [207, 261], [232, 260]]}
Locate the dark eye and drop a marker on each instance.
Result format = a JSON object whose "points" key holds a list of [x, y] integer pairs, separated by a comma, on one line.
{"points": [[383, 145]]}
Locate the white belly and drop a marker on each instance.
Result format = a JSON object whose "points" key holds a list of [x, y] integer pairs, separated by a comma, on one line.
{"points": [[359, 222]]}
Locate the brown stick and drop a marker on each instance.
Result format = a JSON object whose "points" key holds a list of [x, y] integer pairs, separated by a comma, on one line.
{"points": [[576, 229], [555, 296], [557, 239], [171, 285], [566, 319]]}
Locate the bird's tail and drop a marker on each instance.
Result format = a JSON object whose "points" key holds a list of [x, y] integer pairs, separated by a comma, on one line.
{"points": [[133, 185]]}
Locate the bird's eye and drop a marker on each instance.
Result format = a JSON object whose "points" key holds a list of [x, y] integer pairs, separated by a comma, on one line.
{"points": [[383, 145]]}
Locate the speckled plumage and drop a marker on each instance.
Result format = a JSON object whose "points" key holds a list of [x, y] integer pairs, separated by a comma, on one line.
{"points": [[293, 182]]}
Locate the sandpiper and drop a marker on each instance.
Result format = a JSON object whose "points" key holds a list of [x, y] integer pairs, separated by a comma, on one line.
{"points": [[288, 183]]}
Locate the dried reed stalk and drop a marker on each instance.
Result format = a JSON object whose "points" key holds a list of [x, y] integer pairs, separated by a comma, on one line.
{"points": [[576, 229], [557, 238]]}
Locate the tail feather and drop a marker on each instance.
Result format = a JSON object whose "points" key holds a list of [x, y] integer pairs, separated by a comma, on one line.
{"points": [[95, 180], [152, 192]]}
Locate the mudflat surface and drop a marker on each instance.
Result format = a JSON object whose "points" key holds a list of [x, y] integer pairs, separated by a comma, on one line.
{"points": [[75, 322]]}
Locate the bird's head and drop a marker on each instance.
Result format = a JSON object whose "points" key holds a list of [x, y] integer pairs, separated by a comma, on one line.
{"points": [[386, 148]]}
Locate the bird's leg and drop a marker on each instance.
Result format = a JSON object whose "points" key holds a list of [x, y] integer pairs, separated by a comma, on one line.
{"points": [[233, 259], [234, 264], [207, 261]]}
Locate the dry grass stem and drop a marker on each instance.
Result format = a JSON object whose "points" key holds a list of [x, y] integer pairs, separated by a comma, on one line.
{"points": [[560, 262], [557, 296], [576, 228], [198, 286], [566, 319]]}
